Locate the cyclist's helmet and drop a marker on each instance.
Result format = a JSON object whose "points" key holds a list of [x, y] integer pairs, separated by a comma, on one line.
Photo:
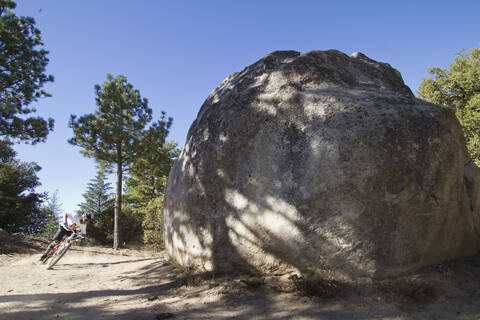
{"points": [[87, 216]]}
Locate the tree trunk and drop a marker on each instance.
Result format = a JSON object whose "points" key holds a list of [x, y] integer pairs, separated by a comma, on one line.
{"points": [[118, 206]]}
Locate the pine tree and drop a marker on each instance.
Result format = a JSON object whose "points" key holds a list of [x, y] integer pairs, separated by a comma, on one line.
{"points": [[22, 75], [19, 203], [98, 201], [98, 197], [112, 134], [52, 211]]}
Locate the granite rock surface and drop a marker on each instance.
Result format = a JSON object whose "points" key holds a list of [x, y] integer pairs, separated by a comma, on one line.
{"points": [[321, 161]]}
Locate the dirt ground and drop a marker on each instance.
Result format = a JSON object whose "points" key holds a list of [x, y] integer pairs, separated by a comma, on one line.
{"points": [[99, 283]]}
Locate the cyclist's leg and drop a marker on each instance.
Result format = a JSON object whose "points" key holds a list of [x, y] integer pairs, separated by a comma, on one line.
{"points": [[59, 235]]}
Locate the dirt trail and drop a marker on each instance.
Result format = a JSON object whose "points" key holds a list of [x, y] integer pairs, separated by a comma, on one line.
{"points": [[98, 284]]}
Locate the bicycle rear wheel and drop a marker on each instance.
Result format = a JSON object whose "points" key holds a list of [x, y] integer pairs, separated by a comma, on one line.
{"points": [[58, 255]]}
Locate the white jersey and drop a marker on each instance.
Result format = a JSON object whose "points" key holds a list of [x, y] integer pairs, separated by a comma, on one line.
{"points": [[73, 224]]}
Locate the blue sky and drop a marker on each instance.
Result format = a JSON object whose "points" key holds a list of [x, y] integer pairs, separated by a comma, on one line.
{"points": [[177, 52]]}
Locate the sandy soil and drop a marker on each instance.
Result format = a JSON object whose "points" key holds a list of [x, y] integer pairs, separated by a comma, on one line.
{"points": [[98, 283]]}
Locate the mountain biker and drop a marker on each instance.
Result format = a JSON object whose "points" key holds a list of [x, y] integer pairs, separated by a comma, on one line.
{"points": [[70, 223]]}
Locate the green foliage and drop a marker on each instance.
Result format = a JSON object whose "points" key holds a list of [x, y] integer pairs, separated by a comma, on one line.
{"points": [[22, 75], [51, 227], [113, 134], [458, 86], [99, 197], [19, 204], [99, 230], [6, 151], [148, 179], [148, 174], [131, 227], [52, 211], [152, 224], [98, 201]]}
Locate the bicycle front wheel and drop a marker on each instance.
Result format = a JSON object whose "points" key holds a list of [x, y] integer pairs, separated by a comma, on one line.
{"points": [[58, 255]]}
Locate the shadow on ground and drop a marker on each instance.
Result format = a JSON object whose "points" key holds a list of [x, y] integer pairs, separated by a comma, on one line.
{"points": [[159, 289]]}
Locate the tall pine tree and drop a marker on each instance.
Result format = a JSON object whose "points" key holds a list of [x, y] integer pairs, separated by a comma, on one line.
{"points": [[112, 134], [22, 75]]}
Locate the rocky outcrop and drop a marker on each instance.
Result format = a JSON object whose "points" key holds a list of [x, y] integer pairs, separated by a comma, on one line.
{"points": [[318, 161]]}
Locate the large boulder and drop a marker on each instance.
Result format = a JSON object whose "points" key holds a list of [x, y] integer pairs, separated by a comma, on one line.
{"points": [[318, 161]]}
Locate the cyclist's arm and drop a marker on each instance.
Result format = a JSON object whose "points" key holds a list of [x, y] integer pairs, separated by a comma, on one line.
{"points": [[80, 234]]}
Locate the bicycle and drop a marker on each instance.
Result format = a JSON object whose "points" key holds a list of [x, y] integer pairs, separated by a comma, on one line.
{"points": [[60, 249]]}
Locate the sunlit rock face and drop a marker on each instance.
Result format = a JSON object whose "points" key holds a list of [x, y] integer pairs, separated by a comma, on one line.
{"points": [[321, 161]]}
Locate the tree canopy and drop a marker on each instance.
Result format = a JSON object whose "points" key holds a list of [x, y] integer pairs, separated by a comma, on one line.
{"points": [[458, 86], [6, 151], [22, 75], [148, 178], [19, 203], [149, 173], [112, 134]]}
